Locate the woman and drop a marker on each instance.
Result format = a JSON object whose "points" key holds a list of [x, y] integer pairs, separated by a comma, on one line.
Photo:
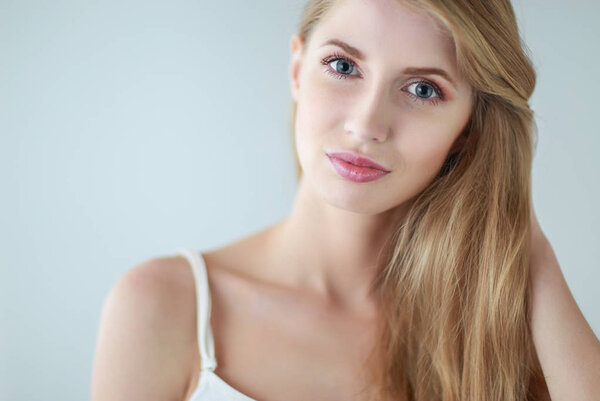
{"points": [[422, 277]]}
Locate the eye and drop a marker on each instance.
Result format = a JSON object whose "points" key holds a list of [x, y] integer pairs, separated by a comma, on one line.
{"points": [[338, 66], [426, 92], [341, 67]]}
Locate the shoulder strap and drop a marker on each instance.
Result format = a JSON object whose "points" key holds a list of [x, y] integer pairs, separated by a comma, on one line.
{"points": [[203, 307]]}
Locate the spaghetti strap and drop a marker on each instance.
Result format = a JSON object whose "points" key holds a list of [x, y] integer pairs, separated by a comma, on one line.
{"points": [[205, 337]]}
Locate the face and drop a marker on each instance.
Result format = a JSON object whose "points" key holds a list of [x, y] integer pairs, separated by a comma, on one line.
{"points": [[375, 103]]}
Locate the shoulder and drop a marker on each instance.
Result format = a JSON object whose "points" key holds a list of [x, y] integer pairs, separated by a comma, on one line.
{"points": [[161, 284], [147, 329], [159, 291]]}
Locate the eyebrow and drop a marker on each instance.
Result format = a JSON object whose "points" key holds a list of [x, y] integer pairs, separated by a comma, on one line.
{"points": [[354, 52]]}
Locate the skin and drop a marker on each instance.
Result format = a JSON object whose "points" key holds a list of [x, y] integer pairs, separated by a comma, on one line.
{"points": [[330, 242], [300, 287], [566, 346]]}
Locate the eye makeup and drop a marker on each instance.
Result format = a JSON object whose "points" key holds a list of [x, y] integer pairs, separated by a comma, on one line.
{"points": [[326, 61]]}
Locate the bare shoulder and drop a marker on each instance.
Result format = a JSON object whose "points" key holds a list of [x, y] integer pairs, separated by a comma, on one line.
{"points": [[146, 333]]}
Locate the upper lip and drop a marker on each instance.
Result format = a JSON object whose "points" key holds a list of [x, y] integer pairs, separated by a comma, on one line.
{"points": [[357, 160]]}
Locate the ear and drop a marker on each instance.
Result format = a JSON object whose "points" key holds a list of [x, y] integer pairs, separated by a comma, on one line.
{"points": [[297, 45]]}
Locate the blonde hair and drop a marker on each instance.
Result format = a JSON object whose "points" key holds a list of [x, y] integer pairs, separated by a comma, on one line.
{"points": [[454, 290]]}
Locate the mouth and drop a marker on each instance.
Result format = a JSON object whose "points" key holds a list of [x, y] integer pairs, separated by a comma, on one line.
{"points": [[352, 172], [357, 160]]}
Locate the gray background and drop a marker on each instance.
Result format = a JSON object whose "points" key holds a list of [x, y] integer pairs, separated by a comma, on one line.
{"points": [[129, 128]]}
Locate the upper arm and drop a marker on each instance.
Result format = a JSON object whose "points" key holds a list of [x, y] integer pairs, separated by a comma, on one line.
{"points": [[142, 347]]}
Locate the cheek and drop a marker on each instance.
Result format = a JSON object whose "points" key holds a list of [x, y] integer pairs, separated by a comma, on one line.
{"points": [[310, 119], [425, 140], [321, 106], [426, 153], [319, 114], [422, 152]]}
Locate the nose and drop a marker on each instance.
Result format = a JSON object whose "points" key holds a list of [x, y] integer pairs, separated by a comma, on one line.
{"points": [[369, 119]]}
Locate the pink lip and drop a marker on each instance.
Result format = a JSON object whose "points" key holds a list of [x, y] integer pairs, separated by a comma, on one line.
{"points": [[356, 173], [357, 160]]}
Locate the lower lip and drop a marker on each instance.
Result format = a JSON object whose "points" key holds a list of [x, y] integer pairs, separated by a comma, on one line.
{"points": [[356, 173]]}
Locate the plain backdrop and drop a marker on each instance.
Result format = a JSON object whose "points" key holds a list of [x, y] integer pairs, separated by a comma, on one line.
{"points": [[129, 128]]}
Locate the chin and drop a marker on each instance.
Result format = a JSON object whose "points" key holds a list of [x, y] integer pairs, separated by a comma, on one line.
{"points": [[350, 196]]}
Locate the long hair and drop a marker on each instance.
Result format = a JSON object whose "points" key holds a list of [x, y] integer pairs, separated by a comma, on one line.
{"points": [[454, 289]]}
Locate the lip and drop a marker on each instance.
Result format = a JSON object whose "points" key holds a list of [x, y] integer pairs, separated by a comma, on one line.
{"points": [[357, 160], [356, 173]]}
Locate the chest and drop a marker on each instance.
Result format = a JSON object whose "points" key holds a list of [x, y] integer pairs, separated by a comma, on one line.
{"points": [[272, 346]]}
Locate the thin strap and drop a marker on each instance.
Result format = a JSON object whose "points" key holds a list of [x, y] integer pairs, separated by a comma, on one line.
{"points": [[203, 307]]}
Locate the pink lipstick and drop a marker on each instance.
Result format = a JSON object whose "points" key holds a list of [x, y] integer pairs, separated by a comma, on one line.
{"points": [[356, 168]]}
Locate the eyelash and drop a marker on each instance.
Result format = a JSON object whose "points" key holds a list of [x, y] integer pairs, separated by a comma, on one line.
{"points": [[336, 57]]}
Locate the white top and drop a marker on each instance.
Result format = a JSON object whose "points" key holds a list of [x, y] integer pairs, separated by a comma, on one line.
{"points": [[210, 386]]}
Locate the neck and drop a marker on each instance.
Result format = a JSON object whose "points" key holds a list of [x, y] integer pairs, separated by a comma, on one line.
{"points": [[332, 253]]}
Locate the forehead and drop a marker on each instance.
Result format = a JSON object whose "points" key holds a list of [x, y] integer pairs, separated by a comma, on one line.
{"points": [[391, 28]]}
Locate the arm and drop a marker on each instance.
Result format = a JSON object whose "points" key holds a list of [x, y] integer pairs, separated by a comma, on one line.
{"points": [[143, 342], [566, 346]]}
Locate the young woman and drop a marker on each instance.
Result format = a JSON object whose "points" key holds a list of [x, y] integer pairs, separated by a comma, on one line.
{"points": [[411, 267]]}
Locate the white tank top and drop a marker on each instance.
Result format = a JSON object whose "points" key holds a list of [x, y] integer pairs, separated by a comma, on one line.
{"points": [[210, 386]]}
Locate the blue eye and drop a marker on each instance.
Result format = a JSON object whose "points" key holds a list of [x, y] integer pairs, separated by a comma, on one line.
{"points": [[426, 91], [343, 67]]}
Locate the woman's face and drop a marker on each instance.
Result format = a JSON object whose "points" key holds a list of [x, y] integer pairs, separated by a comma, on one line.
{"points": [[375, 103]]}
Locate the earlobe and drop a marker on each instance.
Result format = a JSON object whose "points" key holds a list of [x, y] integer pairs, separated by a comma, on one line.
{"points": [[297, 44]]}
